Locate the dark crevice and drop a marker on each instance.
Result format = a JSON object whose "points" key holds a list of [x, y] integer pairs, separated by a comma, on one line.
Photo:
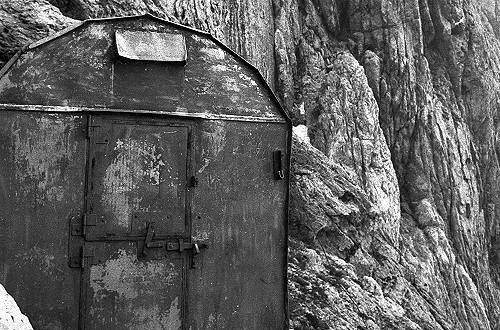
{"points": [[70, 8]]}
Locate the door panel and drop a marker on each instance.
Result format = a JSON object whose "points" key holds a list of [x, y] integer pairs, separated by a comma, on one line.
{"points": [[239, 210], [137, 174], [136, 227], [127, 292]]}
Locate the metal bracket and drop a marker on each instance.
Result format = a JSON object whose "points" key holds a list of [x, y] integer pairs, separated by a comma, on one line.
{"points": [[148, 241], [89, 219]]}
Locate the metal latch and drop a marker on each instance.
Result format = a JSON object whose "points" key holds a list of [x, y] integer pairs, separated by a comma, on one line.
{"points": [[181, 245], [148, 241], [279, 174]]}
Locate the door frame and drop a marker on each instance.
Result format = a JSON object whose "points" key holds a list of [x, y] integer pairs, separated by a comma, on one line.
{"points": [[149, 119]]}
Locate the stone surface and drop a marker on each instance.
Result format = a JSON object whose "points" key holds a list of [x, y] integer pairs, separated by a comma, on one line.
{"points": [[395, 200], [433, 68], [11, 318], [24, 22]]}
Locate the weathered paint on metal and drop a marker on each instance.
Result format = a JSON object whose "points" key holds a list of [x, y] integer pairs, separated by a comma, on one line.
{"points": [[137, 174], [190, 150], [42, 166], [151, 46], [238, 210], [77, 69], [127, 293]]}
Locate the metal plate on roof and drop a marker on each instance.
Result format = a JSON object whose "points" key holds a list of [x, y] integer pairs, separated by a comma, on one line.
{"points": [[151, 46]]}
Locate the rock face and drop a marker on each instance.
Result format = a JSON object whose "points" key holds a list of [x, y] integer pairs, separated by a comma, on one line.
{"points": [[23, 22], [11, 318], [395, 200], [433, 69]]}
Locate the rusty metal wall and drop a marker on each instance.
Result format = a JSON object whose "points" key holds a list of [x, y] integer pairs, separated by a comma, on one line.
{"points": [[239, 209], [42, 171], [95, 235]]}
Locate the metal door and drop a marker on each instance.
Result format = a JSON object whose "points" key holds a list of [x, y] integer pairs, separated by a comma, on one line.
{"points": [[136, 229]]}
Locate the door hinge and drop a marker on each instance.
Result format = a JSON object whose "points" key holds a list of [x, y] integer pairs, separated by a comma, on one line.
{"points": [[88, 254], [76, 225], [92, 225], [83, 257], [89, 219]]}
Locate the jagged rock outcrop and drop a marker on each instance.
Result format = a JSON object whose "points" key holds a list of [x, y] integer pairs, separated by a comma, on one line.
{"points": [[23, 22], [395, 202], [433, 69], [11, 318]]}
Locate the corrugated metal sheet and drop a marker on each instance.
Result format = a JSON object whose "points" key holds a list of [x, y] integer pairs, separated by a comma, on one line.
{"points": [[151, 46]]}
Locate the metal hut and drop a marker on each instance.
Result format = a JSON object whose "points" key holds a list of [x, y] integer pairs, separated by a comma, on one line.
{"points": [[143, 182]]}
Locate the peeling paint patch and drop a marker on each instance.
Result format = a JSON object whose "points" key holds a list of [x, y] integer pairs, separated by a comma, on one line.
{"points": [[213, 53], [219, 68], [5, 83], [215, 137], [137, 294], [231, 85], [174, 315], [125, 277], [98, 31], [42, 152], [153, 318], [248, 79], [136, 162]]}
